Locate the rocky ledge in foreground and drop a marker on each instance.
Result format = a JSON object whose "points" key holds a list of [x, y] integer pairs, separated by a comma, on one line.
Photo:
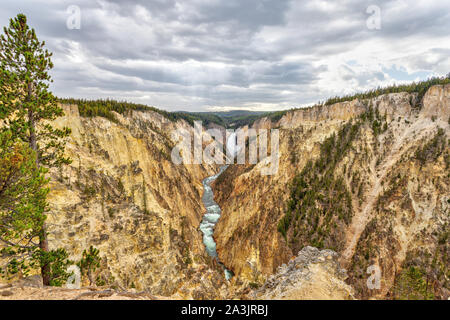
{"points": [[31, 288], [312, 275]]}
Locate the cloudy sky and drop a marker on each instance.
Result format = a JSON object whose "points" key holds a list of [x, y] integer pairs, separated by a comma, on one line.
{"points": [[223, 54]]}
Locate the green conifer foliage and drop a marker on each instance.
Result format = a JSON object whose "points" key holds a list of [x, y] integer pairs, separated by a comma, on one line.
{"points": [[27, 106]]}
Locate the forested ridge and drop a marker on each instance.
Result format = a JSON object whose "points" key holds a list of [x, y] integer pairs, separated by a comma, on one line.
{"points": [[240, 118]]}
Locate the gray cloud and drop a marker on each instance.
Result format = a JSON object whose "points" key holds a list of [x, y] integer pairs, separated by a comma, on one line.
{"points": [[266, 54]]}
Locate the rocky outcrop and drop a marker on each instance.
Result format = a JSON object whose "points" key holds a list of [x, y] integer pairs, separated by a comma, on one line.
{"points": [[436, 102], [311, 275], [20, 291]]}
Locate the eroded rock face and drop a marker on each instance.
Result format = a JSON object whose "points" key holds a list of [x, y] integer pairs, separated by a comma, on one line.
{"points": [[399, 199], [313, 274], [123, 195], [436, 102], [247, 238]]}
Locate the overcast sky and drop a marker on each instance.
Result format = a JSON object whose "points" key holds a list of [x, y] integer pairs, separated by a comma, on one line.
{"points": [[224, 54]]}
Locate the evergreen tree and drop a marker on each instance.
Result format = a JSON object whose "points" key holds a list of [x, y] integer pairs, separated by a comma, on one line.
{"points": [[22, 204], [412, 284], [27, 105], [89, 262]]}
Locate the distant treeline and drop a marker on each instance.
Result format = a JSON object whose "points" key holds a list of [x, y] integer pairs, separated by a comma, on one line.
{"points": [[205, 117], [236, 119], [418, 87], [105, 108]]}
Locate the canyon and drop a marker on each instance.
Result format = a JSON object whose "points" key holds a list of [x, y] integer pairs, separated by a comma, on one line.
{"points": [[398, 206], [124, 195]]}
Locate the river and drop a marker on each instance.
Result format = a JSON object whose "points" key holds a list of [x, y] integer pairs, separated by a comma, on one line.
{"points": [[210, 219]]}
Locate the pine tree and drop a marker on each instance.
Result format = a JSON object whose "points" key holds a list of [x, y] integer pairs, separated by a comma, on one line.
{"points": [[23, 195], [27, 105], [89, 262]]}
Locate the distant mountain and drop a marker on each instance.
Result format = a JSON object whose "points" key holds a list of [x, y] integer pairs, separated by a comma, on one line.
{"points": [[228, 119]]}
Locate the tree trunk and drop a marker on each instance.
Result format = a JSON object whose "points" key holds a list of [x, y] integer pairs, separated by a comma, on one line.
{"points": [[90, 277], [45, 267], [43, 242]]}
